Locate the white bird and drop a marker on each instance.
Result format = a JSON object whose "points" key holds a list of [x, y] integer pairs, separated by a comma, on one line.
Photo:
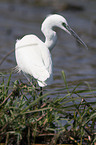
{"points": [[33, 56]]}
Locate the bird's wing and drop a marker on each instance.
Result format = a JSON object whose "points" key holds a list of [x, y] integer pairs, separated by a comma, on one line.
{"points": [[33, 57]]}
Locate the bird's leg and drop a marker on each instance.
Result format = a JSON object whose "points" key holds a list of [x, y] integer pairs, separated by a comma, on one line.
{"points": [[40, 102], [41, 93], [29, 80]]}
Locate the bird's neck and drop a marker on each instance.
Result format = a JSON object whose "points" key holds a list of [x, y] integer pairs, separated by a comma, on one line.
{"points": [[50, 38]]}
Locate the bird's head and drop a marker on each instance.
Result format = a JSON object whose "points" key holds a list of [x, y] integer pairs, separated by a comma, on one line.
{"points": [[56, 20]]}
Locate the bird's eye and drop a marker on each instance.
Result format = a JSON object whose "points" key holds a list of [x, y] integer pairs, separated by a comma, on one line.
{"points": [[64, 25]]}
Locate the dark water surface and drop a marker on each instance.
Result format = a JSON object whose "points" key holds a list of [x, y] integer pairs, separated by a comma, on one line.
{"points": [[79, 64]]}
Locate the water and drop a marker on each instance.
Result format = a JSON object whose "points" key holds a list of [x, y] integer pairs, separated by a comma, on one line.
{"points": [[18, 19]]}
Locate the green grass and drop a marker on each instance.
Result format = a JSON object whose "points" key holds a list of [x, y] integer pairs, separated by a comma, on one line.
{"points": [[67, 118]]}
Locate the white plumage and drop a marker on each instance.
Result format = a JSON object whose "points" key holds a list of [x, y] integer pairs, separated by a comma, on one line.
{"points": [[33, 56], [30, 55]]}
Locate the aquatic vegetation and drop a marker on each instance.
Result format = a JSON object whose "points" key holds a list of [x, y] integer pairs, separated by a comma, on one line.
{"points": [[66, 118]]}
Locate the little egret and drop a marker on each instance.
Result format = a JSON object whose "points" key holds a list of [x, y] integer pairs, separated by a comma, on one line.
{"points": [[33, 56]]}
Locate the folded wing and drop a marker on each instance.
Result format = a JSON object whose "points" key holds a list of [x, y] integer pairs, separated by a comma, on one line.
{"points": [[34, 58]]}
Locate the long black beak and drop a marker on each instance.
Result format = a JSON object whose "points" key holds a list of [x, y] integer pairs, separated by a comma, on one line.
{"points": [[76, 36]]}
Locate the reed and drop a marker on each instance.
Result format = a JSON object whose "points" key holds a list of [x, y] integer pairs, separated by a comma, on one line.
{"points": [[67, 118]]}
